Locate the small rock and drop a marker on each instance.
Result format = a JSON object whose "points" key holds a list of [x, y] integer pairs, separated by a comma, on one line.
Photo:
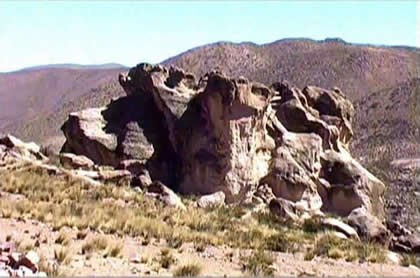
{"points": [[135, 260]]}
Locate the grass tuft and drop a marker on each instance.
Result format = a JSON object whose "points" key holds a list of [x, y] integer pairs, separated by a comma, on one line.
{"points": [[259, 263], [187, 270]]}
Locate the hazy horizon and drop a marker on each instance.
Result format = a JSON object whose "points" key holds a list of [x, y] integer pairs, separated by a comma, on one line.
{"points": [[94, 33]]}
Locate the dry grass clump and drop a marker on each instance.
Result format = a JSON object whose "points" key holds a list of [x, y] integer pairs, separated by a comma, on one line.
{"points": [[97, 243], [329, 245], [410, 259], [189, 270], [114, 249], [63, 238], [259, 263], [166, 258], [63, 255]]}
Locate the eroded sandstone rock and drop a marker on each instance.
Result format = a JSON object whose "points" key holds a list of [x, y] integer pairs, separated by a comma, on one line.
{"points": [[233, 136]]}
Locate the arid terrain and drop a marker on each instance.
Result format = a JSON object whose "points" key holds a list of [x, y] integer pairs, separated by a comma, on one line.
{"points": [[297, 157]]}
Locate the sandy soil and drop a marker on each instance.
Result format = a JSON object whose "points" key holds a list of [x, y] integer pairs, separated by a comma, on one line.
{"points": [[216, 261]]}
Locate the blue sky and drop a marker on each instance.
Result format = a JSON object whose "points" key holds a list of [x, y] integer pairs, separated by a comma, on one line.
{"points": [[47, 32]]}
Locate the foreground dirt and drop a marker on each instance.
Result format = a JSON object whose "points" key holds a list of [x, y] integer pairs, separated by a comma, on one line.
{"points": [[138, 258]]}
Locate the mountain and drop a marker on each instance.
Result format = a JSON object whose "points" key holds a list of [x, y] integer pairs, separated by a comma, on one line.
{"points": [[34, 93], [39, 100], [72, 66], [356, 69]]}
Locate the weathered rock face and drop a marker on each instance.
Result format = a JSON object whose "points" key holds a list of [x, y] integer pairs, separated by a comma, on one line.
{"points": [[233, 136], [222, 138]]}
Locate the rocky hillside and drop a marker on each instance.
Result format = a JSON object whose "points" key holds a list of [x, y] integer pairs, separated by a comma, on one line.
{"points": [[386, 132], [357, 70]]}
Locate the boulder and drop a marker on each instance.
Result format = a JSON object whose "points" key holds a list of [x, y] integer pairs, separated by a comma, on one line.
{"points": [[72, 161], [345, 185], [368, 226], [340, 226], [20, 149], [284, 209], [215, 199], [161, 192], [142, 180]]}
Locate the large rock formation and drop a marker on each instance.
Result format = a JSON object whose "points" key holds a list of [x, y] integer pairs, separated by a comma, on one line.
{"points": [[231, 135]]}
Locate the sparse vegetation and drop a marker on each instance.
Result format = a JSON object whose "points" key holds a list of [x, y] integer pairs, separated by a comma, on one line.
{"points": [[115, 249], [329, 245], [72, 203], [187, 270], [410, 259], [97, 243], [259, 263]]}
